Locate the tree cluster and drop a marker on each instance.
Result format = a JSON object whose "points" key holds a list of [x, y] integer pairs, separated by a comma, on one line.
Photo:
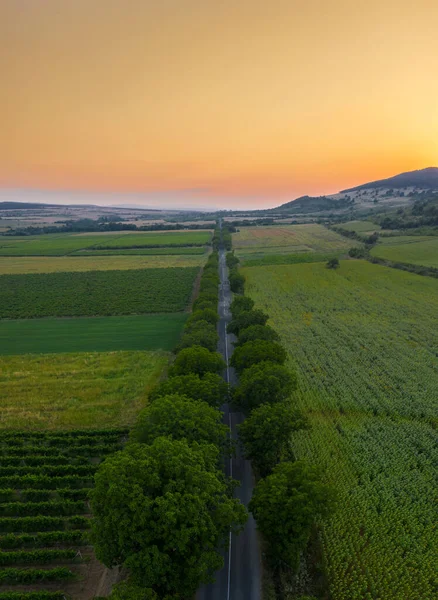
{"points": [[162, 506]]}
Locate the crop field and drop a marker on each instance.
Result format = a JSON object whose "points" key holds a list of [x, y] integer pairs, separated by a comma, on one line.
{"points": [[68, 243], [364, 340], [91, 334], [44, 514], [13, 265], [416, 250], [360, 226], [257, 242], [144, 251], [95, 293], [71, 391]]}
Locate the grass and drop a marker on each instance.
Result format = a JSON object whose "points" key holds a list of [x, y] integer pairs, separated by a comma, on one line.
{"points": [[68, 243], [163, 251], [255, 242], [364, 341], [76, 391], [12, 265], [91, 334], [360, 226], [288, 259], [96, 293], [416, 250]]}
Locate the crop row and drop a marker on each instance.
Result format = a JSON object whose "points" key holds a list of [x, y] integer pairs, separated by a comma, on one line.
{"points": [[52, 508], [12, 495], [43, 539], [58, 440], [60, 450], [26, 576], [40, 460], [22, 557], [45, 482], [40, 523], [48, 469], [43, 595], [66, 435]]}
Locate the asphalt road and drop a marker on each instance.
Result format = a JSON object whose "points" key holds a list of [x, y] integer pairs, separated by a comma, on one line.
{"points": [[240, 578]]}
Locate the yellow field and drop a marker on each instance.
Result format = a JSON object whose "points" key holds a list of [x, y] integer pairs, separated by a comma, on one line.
{"points": [[288, 238], [76, 391], [47, 264]]}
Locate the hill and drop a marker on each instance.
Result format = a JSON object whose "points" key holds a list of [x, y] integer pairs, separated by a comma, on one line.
{"points": [[313, 204], [424, 178]]}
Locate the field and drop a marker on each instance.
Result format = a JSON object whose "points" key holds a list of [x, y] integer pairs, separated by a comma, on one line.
{"points": [[13, 265], [416, 250], [365, 227], [364, 340], [68, 243], [44, 513], [96, 293], [257, 242], [91, 334], [76, 391]]}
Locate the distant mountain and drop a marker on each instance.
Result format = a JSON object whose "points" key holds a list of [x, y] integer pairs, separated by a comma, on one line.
{"points": [[424, 178], [22, 205], [310, 204]]}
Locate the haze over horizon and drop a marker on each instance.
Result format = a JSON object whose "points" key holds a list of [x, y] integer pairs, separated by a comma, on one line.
{"points": [[237, 105]]}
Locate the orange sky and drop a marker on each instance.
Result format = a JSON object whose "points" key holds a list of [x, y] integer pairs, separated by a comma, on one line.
{"points": [[230, 103]]}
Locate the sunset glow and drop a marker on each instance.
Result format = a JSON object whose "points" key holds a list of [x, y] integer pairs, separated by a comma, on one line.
{"points": [[216, 103]]}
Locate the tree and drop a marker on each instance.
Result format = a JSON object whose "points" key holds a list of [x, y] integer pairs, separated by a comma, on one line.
{"points": [[237, 281], [162, 513], [257, 332], [286, 505], [205, 303], [181, 418], [126, 590], [232, 260], [266, 434], [241, 304], [333, 263], [207, 314], [263, 383], [206, 297], [257, 351], [206, 338], [210, 388], [246, 318], [197, 360]]}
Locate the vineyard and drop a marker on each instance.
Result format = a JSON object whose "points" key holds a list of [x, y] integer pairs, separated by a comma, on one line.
{"points": [[69, 391], [364, 340], [62, 244], [96, 293], [14, 265], [259, 242], [363, 227], [44, 512], [416, 250]]}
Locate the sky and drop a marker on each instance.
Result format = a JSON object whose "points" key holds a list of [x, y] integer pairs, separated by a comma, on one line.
{"points": [[230, 104]]}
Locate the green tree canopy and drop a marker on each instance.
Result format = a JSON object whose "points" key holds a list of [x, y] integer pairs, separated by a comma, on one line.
{"points": [[206, 314], [237, 281], [241, 304], [333, 263], [207, 338], [246, 318], [286, 505], [266, 434], [210, 388], [264, 382], [257, 332], [197, 360], [162, 513], [206, 297], [181, 418], [257, 351], [126, 590]]}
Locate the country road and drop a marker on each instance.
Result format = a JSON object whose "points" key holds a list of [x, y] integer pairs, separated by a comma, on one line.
{"points": [[240, 578]]}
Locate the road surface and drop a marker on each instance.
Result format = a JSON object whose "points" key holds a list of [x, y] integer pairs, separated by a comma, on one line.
{"points": [[240, 578]]}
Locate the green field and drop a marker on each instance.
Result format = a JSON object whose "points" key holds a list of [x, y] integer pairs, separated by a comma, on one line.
{"points": [[94, 293], [142, 251], [10, 265], [416, 250], [76, 391], [68, 243], [360, 226], [253, 243], [364, 340], [289, 259], [91, 334]]}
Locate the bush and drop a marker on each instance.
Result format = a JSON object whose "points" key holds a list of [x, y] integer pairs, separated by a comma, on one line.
{"points": [[333, 263], [197, 360], [210, 388], [263, 383], [257, 351], [245, 319]]}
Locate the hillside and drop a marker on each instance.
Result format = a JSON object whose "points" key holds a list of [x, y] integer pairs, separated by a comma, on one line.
{"points": [[313, 204], [424, 178]]}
